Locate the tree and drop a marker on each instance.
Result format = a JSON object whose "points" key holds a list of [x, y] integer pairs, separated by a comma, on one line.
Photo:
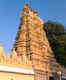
{"points": [[57, 38]]}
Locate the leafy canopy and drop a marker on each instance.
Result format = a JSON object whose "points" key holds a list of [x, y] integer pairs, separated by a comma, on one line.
{"points": [[57, 38]]}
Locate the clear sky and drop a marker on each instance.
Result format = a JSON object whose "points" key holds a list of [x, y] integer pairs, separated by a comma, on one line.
{"points": [[54, 10]]}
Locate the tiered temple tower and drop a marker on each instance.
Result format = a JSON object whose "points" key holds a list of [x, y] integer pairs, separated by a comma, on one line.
{"points": [[31, 57], [31, 40]]}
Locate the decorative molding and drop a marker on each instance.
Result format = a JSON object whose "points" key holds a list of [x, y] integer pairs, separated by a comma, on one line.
{"points": [[15, 70]]}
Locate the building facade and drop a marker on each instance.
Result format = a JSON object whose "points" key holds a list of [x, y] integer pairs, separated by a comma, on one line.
{"points": [[32, 57]]}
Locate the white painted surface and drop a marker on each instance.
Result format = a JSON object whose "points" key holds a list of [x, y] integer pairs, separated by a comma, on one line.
{"points": [[63, 77], [17, 70]]}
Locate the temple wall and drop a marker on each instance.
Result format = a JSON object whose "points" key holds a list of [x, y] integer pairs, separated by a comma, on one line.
{"points": [[14, 73], [15, 76]]}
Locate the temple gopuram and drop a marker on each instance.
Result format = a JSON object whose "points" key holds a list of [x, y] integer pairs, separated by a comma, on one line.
{"points": [[32, 57]]}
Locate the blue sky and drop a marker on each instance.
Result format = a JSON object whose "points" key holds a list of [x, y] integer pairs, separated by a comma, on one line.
{"points": [[54, 10]]}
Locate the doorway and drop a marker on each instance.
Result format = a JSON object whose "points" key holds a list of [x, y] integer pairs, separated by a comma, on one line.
{"points": [[51, 78]]}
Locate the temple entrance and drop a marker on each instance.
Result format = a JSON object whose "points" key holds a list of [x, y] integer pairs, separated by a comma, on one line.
{"points": [[51, 78], [54, 76], [41, 75]]}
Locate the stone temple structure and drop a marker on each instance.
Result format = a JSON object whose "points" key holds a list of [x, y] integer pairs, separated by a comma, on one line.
{"points": [[31, 57]]}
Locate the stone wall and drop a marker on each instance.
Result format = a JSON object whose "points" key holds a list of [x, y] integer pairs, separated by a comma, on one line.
{"points": [[15, 76], [14, 73], [41, 75]]}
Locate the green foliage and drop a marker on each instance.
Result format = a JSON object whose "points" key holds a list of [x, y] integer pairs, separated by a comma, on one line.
{"points": [[57, 39]]}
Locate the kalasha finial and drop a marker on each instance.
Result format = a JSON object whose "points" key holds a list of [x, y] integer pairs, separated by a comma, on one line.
{"points": [[28, 2]]}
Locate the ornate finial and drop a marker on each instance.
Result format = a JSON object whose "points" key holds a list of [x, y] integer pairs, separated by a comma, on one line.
{"points": [[1, 49], [0, 44], [7, 55], [28, 2], [14, 54]]}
